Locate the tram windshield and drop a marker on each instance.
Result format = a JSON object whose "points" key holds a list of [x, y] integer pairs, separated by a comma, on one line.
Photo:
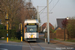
{"points": [[31, 28]]}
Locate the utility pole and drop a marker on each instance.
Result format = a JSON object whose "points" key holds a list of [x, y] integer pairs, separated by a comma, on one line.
{"points": [[37, 13], [21, 33], [6, 18], [7, 28], [48, 21]]}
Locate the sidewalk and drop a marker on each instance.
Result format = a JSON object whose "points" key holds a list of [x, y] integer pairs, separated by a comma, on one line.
{"points": [[4, 41], [60, 42]]}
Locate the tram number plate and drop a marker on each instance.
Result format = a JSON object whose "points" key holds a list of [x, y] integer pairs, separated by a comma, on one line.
{"points": [[31, 36]]}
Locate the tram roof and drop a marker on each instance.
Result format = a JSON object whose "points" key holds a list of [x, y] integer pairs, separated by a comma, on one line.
{"points": [[31, 21]]}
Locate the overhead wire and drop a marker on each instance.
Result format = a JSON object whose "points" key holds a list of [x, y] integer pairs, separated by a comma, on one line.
{"points": [[49, 3], [53, 7], [46, 6]]}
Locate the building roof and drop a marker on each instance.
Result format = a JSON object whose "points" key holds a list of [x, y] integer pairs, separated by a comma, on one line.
{"points": [[59, 22], [44, 25]]}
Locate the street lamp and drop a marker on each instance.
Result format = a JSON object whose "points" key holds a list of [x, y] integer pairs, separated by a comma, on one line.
{"points": [[67, 18], [6, 18]]}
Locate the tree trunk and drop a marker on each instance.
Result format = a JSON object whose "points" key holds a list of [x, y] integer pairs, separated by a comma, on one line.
{"points": [[64, 34]]}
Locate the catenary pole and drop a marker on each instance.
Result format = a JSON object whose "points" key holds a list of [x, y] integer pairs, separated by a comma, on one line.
{"points": [[37, 13], [48, 21]]}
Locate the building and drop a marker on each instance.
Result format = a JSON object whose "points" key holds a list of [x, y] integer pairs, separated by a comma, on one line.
{"points": [[59, 23], [44, 26]]}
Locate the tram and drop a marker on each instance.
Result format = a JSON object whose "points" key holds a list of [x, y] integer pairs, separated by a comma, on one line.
{"points": [[31, 27]]}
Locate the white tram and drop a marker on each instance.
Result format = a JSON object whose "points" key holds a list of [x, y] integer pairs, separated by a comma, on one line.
{"points": [[31, 30]]}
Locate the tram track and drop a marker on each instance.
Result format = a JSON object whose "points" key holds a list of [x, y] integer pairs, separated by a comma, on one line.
{"points": [[31, 48], [41, 47], [34, 46]]}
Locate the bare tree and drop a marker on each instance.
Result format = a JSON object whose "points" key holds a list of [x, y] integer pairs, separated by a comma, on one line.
{"points": [[17, 11]]}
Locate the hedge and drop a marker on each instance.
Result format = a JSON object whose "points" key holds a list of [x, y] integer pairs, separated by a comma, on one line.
{"points": [[11, 33]]}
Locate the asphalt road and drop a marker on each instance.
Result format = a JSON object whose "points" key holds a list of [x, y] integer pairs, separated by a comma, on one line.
{"points": [[10, 47], [40, 45]]}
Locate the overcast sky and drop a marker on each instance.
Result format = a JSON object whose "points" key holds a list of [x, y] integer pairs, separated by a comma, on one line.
{"points": [[63, 9]]}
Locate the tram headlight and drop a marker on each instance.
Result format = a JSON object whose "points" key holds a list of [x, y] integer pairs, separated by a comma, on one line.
{"points": [[34, 36]]}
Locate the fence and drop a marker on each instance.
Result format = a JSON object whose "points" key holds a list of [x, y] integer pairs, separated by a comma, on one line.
{"points": [[60, 34]]}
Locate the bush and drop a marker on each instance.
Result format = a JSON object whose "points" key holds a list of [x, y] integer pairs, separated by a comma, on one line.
{"points": [[2, 27], [3, 33], [71, 28], [11, 34], [51, 30]]}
